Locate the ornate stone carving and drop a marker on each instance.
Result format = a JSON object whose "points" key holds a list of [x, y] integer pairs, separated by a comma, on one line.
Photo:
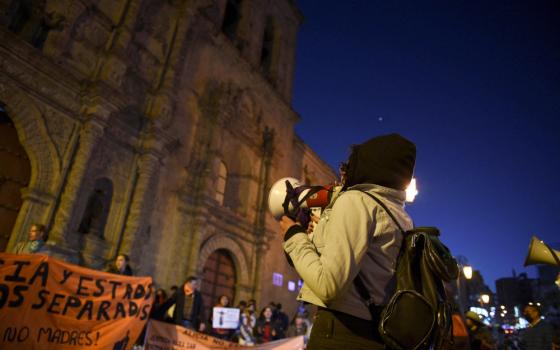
{"points": [[161, 108], [89, 27], [60, 130], [35, 80], [156, 18], [114, 70], [224, 102], [247, 113]]}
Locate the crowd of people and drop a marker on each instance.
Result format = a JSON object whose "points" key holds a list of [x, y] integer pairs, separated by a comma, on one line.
{"points": [[540, 334], [184, 306]]}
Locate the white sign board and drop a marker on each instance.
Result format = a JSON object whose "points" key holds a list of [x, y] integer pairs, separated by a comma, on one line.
{"points": [[225, 317]]}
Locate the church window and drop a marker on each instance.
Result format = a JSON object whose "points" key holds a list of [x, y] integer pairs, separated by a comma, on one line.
{"points": [[231, 18], [28, 19], [221, 183], [97, 208], [267, 47]]}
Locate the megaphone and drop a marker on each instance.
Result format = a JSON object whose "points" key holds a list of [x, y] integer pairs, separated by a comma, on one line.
{"points": [[289, 197], [540, 253]]}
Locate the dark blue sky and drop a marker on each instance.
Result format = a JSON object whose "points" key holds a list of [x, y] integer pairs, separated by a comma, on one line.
{"points": [[475, 84]]}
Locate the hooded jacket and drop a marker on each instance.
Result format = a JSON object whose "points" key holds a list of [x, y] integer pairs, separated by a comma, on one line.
{"points": [[354, 234]]}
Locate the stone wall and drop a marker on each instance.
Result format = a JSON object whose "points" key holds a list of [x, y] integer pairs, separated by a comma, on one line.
{"points": [[150, 97]]}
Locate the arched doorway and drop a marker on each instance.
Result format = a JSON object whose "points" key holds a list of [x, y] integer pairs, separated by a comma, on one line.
{"points": [[218, 279], [15, 172]]}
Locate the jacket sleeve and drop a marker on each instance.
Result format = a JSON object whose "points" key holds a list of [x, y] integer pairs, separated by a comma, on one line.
{"points": [[344, 241]]}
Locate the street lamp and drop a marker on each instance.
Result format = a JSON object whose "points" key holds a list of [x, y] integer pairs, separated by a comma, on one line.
{"points": [[485, 298], [467, 272], [411, 191]]}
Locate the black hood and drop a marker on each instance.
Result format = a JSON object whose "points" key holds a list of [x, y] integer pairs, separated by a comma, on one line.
{"points": [[385, 160]]}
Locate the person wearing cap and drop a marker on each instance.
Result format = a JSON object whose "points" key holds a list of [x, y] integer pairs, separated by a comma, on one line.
{"points": [[479, 335], [539, 334], [354, 234]]}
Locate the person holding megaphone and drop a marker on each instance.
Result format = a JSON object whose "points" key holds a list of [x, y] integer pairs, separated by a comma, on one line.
{"points": [[355, 234]]}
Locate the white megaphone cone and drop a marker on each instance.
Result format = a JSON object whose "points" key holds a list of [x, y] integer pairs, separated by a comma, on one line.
{"points": [[277, 196], [540, 253], [313, 197]]}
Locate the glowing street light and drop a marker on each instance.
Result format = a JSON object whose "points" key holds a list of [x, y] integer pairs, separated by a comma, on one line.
{"points": [[411, 191], [467, 272]]}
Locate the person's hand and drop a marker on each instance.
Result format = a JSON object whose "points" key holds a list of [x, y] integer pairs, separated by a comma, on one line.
{"points": [[286, 223], [202, 327], [312, 223]]}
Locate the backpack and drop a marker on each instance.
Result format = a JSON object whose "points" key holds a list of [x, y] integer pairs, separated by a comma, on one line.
{"points": [[418, 315]]}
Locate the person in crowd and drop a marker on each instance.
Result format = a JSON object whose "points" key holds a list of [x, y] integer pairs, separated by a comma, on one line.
{"points": [[480, 336], [308, 324], [268, 328], [251, 314], [242, 305], [160, 298], [221, 333], [187, 306], [460, 333], [121, 266], [354, 234], [539, 334], [156, 313], [297, 327], [282, 318], [35, 243], [246, 335], [173, 290]]}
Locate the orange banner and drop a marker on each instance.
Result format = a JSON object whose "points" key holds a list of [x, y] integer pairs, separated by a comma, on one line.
{"points": [[46, 303], [165, 336]]}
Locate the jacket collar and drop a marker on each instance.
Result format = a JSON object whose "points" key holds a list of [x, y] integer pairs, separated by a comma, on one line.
{"points": [[396, 196]]}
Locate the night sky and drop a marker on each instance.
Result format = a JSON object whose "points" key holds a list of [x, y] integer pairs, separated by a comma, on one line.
{"points": [[475, 84]]}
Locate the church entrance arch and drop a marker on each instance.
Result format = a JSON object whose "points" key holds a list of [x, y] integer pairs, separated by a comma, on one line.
{"points": [[218, 279], [15, 173]]}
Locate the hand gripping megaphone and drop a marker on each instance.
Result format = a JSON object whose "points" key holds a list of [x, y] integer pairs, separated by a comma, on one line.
{"points": [[289, 197], [540, 253]]}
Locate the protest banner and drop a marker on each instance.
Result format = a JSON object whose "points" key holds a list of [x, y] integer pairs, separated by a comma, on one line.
{"points": [[225, 317], [165, 336], [46, 303]]}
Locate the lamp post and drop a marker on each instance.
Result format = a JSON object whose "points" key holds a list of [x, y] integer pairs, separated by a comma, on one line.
{"points": [[467, 272]]}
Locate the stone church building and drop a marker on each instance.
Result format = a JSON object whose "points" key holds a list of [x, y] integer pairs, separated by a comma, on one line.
{"points": [[154, 128]]}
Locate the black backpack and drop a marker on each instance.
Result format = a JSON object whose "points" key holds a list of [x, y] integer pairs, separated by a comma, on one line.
{"points": [[418, 315]]}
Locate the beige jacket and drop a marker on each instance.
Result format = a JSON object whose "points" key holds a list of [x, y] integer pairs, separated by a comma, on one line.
{"points": [[354, 234]]}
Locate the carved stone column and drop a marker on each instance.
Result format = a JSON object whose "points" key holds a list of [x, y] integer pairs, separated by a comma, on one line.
{"points": [[90, 135], [260, 245], [144, 192]]}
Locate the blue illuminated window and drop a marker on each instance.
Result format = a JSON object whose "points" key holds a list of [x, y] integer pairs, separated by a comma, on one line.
{"points": [[277, 279]]}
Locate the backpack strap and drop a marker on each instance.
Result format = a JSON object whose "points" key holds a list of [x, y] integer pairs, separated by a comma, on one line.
{"points": [[375, 198], [359, 283]]}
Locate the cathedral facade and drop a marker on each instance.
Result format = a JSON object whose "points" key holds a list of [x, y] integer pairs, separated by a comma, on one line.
{"points": [[154, 128]]}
